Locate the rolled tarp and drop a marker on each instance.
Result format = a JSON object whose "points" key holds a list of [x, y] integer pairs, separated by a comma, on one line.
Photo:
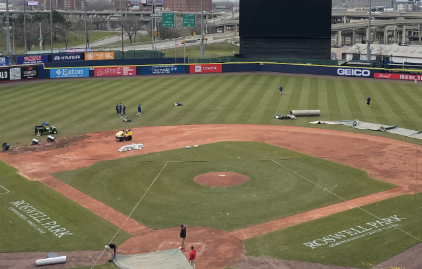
{"points": [[301, 113], [55, 260]]}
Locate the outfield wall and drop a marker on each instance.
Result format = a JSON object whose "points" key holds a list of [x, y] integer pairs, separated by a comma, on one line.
{"points": [[99, 68]]}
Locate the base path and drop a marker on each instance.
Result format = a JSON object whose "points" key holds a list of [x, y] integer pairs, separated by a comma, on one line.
{"points": [[386, 159]]}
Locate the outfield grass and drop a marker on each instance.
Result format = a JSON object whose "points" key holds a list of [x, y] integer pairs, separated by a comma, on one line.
{"points": [[372, 249], [272, 192], [210, 51], [89, 231], [83, 106]]}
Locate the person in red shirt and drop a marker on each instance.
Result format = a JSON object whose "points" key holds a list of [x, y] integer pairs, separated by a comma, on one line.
{"points": [[192, 257]]}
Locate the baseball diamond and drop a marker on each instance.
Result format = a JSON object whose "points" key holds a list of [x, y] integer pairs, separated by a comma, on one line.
{"points": [[257, 192]]}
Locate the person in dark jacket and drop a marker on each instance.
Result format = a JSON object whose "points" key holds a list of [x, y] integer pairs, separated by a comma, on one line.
{"points": [[368, 101], [139, 110], [183, 236], [281, 89], [117, 109], [124, 111], [109, 249]]}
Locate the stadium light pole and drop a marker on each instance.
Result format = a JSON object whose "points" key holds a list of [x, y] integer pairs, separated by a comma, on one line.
{"points": [[368, 46], [86, 33], [152, 26], [8, 29], [202, 29], [24, 25], [121, 17], [51, 25]]}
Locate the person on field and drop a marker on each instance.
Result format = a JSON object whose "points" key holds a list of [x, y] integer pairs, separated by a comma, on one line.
{"points": [[281, 89], [111, 251], [182, 236], [192, 257], [117, 109], [120, 108], [368, 101], [139, 110], [124, 111]]}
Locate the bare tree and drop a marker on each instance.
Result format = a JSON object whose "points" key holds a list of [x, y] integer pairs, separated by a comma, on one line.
{"points": [[64, 32], [130, 27]]}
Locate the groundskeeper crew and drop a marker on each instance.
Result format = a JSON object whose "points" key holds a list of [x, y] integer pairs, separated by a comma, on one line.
{"points": [[183, 236]]}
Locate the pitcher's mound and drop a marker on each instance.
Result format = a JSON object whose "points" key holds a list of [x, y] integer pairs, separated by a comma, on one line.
{"points": [[221, 179]]}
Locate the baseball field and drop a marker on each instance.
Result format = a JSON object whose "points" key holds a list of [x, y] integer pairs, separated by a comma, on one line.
{"points": [[257, 192]]}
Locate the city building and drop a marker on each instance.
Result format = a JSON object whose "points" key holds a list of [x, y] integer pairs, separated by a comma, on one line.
{"points": [[187, 5], [116, 4], [62, 4]]}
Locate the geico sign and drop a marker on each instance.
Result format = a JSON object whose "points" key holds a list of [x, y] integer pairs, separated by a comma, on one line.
{"points": [[353, 72]]}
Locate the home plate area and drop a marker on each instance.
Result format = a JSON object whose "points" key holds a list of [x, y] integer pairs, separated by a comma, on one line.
{"points": [[214, 248]]}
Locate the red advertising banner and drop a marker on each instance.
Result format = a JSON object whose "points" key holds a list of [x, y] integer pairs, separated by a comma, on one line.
{"points": [[115, 71], [206, 68], [397, 76]]}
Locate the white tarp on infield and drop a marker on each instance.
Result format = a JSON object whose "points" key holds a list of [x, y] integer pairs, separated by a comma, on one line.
{"points": [[173, 258]]}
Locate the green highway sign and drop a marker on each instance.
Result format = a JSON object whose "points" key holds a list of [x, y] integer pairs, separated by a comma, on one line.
{"points": [[167, 19], [189, 20]]}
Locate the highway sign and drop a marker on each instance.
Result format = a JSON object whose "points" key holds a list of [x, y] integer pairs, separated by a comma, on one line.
{"points": [[189, 20], [167, 19]]}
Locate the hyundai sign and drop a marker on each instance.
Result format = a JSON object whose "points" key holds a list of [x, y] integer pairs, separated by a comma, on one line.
{"points": [[353, 72], [4, 61], [66, 58], [33, 59], [164, 69], [69, 72]]}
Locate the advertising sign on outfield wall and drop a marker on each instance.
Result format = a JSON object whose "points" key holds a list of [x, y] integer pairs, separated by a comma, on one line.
{"points": [[4, 74], [112, 71], [398, 76], [69, 72], [66, 58], [33, 59], [30, 72], [353, 72], [206, 68], [4, 61], [99, 56], [163, 69]]}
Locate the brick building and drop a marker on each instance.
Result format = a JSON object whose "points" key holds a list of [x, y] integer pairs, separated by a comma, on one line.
{"points": [[187, 5]]}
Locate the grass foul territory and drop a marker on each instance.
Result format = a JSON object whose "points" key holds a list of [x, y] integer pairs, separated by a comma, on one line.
{"points": [[352, 238], [272, 192], [83, 106], [36, 218]]}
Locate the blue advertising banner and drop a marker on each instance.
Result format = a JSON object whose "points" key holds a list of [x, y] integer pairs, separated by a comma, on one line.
{"points": [[66, 57], [163, 69], [4, 61], [32, 59], [69, 73]]}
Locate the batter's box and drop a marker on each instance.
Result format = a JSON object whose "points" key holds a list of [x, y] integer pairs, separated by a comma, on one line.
{"points": [[199, 247]]}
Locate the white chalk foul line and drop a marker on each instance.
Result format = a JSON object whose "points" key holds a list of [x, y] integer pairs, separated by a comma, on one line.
{"points": [[7, 191], [356, 206]]}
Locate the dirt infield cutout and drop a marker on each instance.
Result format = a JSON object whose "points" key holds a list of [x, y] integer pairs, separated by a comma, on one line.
{"points": [[221, 179]]}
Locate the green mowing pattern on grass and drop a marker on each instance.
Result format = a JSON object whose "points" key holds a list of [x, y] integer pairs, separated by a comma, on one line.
{"points": [[78, 107], [90, 232], [372, 249], [272, 192]]}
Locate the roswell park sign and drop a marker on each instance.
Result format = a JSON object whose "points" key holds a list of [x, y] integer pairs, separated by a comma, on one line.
{"points": [[40, 221], [357, 232]]}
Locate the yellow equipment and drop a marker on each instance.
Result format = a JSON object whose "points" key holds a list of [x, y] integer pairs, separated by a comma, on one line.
{"points": [[124, 135]]}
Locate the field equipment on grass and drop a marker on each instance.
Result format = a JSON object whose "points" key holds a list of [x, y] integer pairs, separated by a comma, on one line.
{"points": [[287, 117], [35, 142], [5, 147], [305, 113], [124, 135], [45, 128], [51, 138], [177, 103]]}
